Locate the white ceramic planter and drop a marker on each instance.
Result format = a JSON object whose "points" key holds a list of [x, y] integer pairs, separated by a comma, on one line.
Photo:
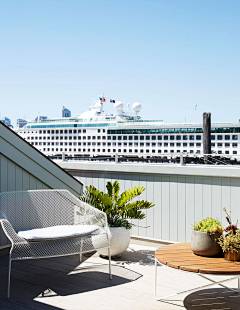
{"points": [[119, 241]]}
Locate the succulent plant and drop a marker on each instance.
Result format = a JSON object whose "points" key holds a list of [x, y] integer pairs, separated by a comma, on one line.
{"points": [[209, 225]]}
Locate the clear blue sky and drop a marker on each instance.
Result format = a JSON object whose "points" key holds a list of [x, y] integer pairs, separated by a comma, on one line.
{"points": [[168, 55]]}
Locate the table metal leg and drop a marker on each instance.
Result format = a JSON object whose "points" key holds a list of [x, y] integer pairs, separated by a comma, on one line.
{"points": [[229, 288], [194, 289]]}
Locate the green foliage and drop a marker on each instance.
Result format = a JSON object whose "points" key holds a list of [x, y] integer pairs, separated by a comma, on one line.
{"points": [[119, 207], [209, 225], [231, 242]]}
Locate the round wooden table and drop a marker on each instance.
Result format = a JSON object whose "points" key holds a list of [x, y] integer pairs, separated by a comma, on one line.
{"points": [[181, 257]]}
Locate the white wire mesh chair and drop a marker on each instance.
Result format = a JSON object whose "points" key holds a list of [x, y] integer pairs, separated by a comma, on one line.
{"points": [[25, 210]]}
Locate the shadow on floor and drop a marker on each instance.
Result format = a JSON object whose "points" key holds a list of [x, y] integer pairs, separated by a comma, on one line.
{"points": [[131, 256], [62, 276], [214, 298], [22, 304]]}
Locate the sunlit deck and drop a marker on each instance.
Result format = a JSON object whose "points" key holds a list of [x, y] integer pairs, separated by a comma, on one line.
{"points": [[64, 283]]}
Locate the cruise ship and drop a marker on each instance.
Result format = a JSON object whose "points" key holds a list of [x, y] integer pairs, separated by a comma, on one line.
{"points": [[96, 133]]}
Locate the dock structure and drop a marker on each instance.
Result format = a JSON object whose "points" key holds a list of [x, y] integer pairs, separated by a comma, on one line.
{"points": [[206, 135]]}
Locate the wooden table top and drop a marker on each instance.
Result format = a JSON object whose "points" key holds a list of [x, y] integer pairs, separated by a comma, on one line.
{"points": [[180, 256]]}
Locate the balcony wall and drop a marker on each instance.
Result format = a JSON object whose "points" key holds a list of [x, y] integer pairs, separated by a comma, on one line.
{"points": [[183, 195]]}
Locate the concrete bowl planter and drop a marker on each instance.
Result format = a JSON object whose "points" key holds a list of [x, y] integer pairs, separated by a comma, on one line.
{"points": [[205, 244], [119, 241]]}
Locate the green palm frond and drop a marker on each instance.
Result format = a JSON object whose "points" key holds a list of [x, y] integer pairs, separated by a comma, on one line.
{"points": [[96, 198], [113, 189], [129, 194], [91, 201], [118, 208], [134, 214], [139, 205], [133, 210]]}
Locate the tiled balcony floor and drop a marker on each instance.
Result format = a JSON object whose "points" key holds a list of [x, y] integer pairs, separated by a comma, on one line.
{"points": [[64, 283]]}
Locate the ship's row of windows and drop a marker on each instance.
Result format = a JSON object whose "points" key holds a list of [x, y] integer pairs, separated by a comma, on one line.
{"points": [[115, 138], [226, 137], [124, 151], [67, 138], [108, 150], [53, 143], [154, 137], [55, 131], [130, 143], [170, 130], [56, 138], [135, 144], [225, 144], [119, 144], [61, 131], [184, 137]]}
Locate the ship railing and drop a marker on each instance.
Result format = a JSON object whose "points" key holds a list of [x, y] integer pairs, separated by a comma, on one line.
{"points": [[183, 159]]}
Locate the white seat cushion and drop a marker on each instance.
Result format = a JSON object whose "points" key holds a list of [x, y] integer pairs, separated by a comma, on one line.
{"points": [[57, 232]]}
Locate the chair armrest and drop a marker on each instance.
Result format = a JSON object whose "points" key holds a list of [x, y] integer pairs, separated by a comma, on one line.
{"points": [[11, 233], [93, 216]]}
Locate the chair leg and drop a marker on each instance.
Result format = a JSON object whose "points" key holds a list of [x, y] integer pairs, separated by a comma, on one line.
{"points": [[9, 276], [81, 250], [109, 260], [155, 280]]}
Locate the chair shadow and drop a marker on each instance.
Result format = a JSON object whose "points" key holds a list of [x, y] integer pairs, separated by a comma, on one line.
{"points": [[131, 256], [214, 298], [62, 276]]}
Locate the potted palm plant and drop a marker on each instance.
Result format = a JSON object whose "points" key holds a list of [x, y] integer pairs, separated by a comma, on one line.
{"points": [[120, 209]]}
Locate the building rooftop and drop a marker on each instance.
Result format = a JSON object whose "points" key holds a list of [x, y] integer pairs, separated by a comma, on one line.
{"points": [[21, 153]]}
